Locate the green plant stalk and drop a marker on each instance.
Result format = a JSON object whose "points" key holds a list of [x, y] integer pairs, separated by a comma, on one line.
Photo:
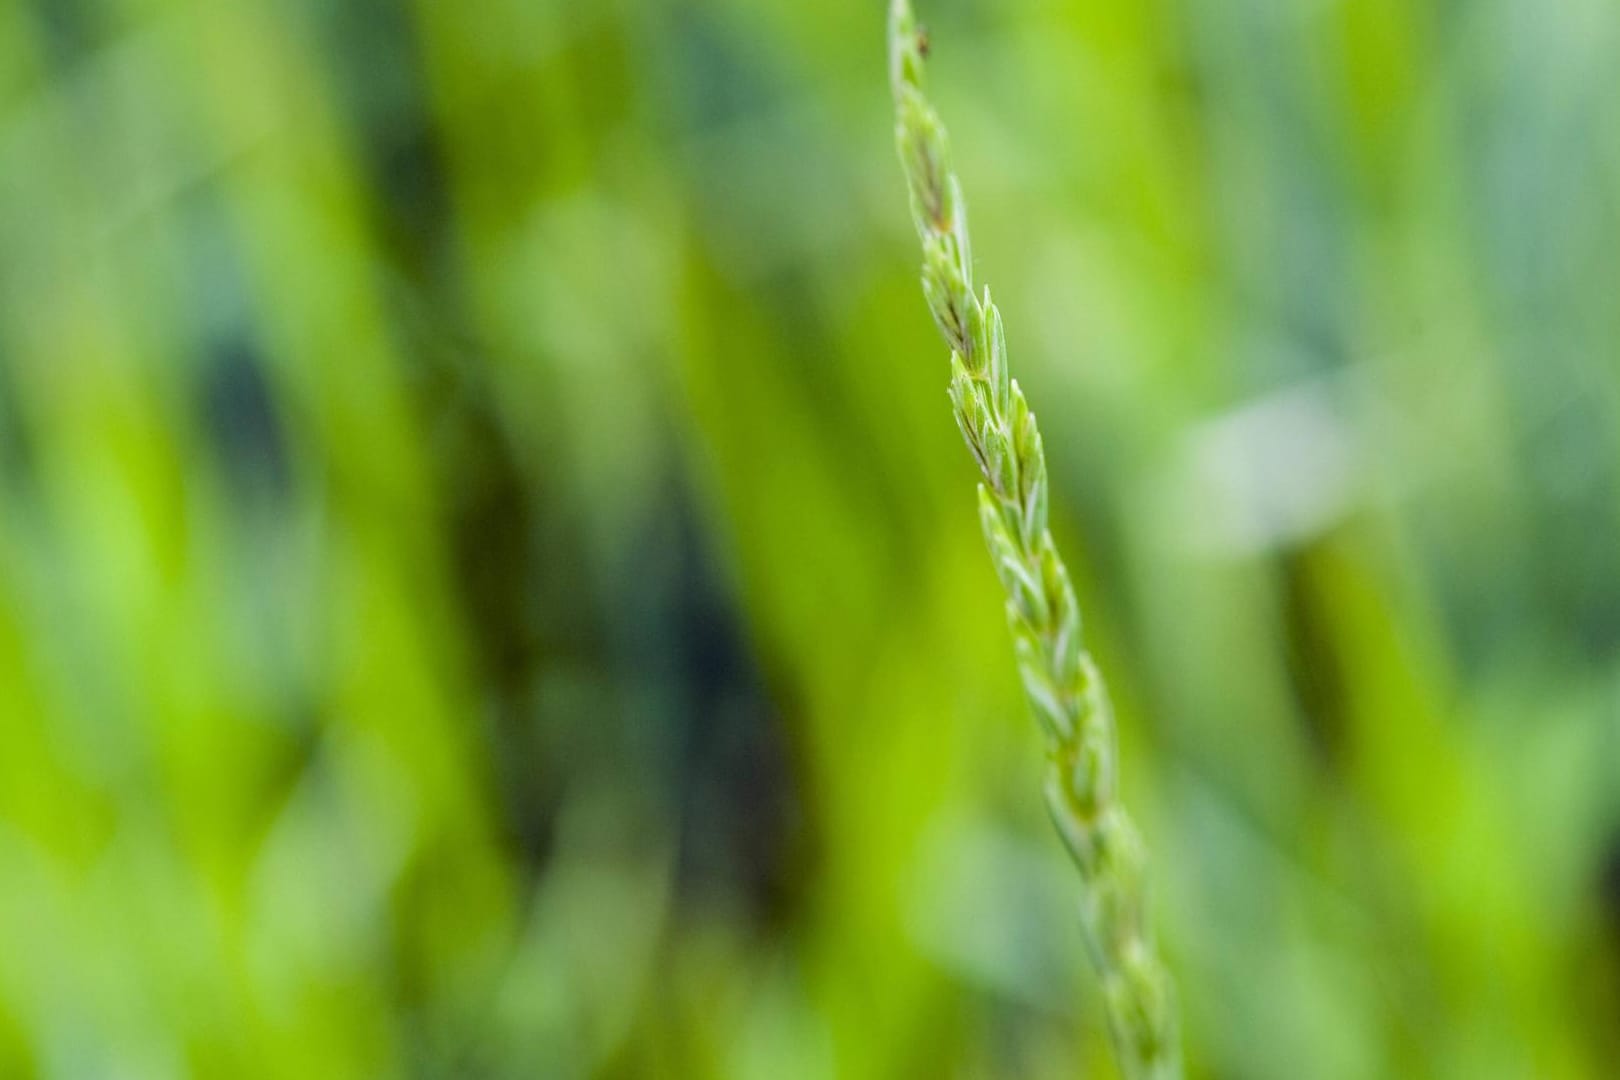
{"points": [[1060, 679]]}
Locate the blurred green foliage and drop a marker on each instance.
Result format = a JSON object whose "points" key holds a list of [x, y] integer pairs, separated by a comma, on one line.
{"points": [[489, 584]]}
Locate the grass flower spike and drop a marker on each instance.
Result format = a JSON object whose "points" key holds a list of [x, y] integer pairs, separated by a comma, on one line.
{"points": [[1062, 683]]}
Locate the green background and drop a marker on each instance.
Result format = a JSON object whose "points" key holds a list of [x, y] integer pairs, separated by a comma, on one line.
{"points": [[490, 586]]}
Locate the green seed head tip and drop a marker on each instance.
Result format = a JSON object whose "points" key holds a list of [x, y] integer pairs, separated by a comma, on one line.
{"points": [[905, 47]]}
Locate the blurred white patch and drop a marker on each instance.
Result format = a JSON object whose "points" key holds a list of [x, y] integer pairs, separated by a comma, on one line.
{"points": [[1269, 474]]}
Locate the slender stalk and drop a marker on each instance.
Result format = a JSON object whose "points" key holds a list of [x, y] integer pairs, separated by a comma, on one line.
{"points": [[1060, 679]]}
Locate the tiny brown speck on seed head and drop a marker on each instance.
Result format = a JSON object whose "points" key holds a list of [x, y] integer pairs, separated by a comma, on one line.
{"points": [[923, 43]]}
